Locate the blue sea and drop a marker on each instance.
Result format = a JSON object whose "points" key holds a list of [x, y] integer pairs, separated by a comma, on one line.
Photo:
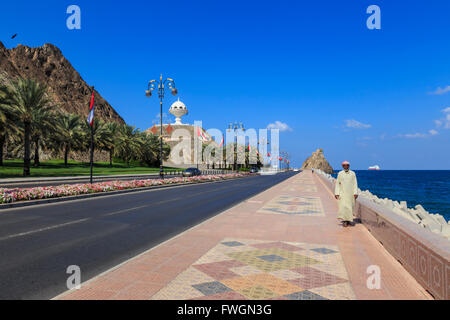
{"points": [[431, 189]]}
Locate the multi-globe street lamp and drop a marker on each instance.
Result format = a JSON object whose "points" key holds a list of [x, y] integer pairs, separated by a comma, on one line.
{"points": [[236, 127], [264, 141], [285, 156], [161, 86]]}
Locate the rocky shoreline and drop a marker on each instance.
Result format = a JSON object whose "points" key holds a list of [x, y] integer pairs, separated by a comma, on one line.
{"points": [[435, 223]]}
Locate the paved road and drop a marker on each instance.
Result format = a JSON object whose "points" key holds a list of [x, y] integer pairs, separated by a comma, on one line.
{"points": [[37, 244]]}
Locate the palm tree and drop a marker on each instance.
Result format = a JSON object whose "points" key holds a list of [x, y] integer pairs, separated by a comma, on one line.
{"points": [[112, 129], [3, 118], [70, 132], [27, 98], [128, 144], [102, 136], [150, 150], [8, 128], [43, 124]]}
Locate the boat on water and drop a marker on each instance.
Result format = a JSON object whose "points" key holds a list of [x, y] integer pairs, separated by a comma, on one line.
{"points": [[375, 167]]}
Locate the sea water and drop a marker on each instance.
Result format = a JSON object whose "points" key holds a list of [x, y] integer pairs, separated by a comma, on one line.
{"points": [[430, 188]]}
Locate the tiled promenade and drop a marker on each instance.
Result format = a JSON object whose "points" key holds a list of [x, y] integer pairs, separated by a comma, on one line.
{"points": [[284, 243]]}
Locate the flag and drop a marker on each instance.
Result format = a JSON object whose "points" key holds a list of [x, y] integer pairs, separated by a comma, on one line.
{"points": [[154, 129], [201, 134], [169, 129], [221, 143], [90, 118]]}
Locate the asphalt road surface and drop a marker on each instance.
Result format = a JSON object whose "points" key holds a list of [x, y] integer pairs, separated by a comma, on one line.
{"points": [[38, 243]]}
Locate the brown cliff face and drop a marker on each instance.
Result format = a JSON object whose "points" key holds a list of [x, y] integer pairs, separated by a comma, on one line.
{"points": [[47, 65], [317, 161]]}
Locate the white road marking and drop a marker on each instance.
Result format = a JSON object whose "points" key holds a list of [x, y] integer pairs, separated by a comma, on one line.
{"points": [[124, 210], [43, 229]]}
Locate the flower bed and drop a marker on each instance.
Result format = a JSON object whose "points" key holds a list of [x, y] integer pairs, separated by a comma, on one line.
{"points": [[19, 194]]}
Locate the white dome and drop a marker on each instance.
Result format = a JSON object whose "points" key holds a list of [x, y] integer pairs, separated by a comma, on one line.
{"points": [[178, 109], [178, 105]]}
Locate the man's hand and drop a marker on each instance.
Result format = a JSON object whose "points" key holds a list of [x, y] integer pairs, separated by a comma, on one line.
{"points": [[337, 197], [356, 196]]}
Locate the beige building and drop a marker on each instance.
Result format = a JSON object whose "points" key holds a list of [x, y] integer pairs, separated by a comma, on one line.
{"points": [[182, 137]]}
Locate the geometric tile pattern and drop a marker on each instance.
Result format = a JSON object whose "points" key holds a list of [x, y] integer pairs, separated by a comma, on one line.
{"points": [[232, 243], [303, 181], [258, 270], [305, 295], [306, 206], [324, 250], [209, 288], [301, 188]]}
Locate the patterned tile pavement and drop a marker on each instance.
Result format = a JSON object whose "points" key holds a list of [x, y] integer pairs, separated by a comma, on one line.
{"points": [[306, 206], [295, 256], [301, 188], [257, 269]]}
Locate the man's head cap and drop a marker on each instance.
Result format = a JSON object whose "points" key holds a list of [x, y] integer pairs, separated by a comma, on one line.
{"points": [[345, 162]]}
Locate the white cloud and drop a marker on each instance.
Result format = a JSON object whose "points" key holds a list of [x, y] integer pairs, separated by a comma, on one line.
{"points": [[440, 91], [352, 123], [433, 132], [413, 135], [445, 121], [280, 126], [418, 135]]}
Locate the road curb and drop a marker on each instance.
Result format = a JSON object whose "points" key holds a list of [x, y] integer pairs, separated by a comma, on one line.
{"points": [[20, 204]]}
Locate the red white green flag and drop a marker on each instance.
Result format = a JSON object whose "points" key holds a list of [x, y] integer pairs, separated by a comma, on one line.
{"points": [[90, 118]]}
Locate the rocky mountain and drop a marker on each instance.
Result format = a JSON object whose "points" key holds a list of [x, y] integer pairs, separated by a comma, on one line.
{"points": [[317, 161], [47, 65]]}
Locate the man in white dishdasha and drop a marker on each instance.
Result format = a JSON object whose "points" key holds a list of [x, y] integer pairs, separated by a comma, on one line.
{"points": [[346, 192]]}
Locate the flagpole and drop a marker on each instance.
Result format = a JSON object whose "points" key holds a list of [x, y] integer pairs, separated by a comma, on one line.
{"points": [[92, 151], [92, 145]]}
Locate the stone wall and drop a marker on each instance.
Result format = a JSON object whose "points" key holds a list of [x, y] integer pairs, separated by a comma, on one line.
{"points": [[423, 253]]}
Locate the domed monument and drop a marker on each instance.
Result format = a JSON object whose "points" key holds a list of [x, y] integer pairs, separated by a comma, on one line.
{"points": [[178, 109], [172, 133]]}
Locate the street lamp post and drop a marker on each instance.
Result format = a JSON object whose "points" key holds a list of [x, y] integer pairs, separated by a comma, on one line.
{"points": [[264, 140], [160, 85], [285, 156], [235, 127]]}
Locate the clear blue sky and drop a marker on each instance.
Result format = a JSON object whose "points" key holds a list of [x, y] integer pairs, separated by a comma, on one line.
{"points": [[312, 65]]}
